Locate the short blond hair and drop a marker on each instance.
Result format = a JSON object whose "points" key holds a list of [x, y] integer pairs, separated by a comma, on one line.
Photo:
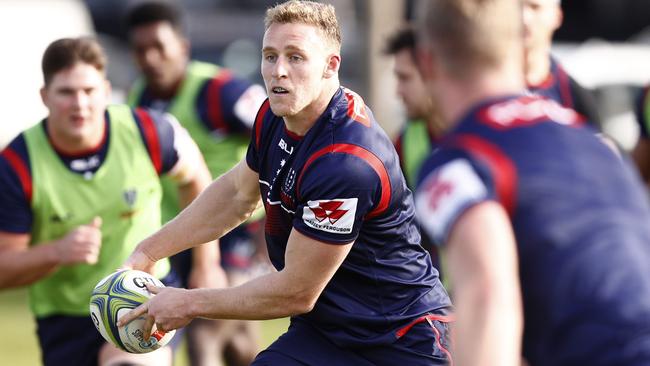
{"points": [[469, 35], [322, 16]]}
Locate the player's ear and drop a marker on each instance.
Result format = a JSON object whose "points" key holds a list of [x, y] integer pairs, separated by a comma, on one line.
{"points": [[426, 62], [332, 66], [44, 97]]}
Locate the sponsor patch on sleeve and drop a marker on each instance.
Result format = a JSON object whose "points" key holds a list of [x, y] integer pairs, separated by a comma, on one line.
{"points": [[445, 193], [333, 216]]}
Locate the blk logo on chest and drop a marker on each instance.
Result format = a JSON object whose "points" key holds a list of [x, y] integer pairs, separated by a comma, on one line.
{"points": [[284, 146]]}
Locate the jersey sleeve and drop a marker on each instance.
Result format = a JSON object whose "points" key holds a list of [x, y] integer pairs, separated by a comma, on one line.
{"points": [[228, 104], [335, 195], [252, 155], [642, 111], [15, 194], [450, 182]]}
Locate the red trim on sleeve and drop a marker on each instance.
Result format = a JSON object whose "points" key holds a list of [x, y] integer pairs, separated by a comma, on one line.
{"points": [[21, 169], [259, 120], [356, 108], [151, 136], [370, 158], [215, 112], [501, 166]]}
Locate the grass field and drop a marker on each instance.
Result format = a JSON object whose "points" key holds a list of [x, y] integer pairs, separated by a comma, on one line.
{"points": [[19, 347]]}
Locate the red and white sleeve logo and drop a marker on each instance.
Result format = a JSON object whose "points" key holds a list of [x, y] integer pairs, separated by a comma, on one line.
{"points": [[444, 193], [333, 216]]}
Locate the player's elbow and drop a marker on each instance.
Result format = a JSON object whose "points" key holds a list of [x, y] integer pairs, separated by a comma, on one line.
{"points": [[301, 302]]}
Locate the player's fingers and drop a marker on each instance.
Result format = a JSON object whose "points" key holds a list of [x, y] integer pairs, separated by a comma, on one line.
{"points": [[148, 325], [133, 314], [153, 288]]}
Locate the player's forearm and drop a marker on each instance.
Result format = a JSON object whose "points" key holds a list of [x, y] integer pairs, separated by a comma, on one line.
{"points": [[267, 297], [208, 253], [21, 268]]}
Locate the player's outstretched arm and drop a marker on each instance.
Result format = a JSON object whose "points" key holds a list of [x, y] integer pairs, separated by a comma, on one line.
{"points": [[309, 266], [224, 204], [483, 269], [22, 264]]}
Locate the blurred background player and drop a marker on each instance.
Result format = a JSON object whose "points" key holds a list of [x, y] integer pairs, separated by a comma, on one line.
{"points": [[419, 135], [218, 109], [80, 189], [506, 193], [641, 152], [351, 272], [544, 75]]}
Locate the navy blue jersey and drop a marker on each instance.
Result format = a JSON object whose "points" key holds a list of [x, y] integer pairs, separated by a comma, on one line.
{"points": [[562, 88], [341, 183], [158, 133], [580, 218], [223, 103]]}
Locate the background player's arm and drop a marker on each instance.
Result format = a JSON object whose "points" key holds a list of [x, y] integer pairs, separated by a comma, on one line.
{"points": [[483, 269], [22, 264], [309, 266], [224, 204], [192, 176]]}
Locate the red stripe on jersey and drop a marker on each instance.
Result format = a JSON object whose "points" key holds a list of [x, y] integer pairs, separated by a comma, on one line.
{"points": [[501, 166], [259, 120], [21, 169], [367, 156], [215, 112], [356, 108], [151, 135]]}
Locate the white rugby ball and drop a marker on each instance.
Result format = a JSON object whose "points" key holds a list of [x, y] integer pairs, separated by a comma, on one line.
{"points": [[114, 296]]}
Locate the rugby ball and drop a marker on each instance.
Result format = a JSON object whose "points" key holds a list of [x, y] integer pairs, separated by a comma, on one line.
{"points": [[116, 295]]}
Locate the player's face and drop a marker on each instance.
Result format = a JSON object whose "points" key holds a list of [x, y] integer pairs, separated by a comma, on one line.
{"points": [[541, 18], [294, 64], [161, 54], [410, 86], [76, 99]]}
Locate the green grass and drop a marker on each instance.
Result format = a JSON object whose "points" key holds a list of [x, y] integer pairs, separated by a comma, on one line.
{"points": [[19, 345]]}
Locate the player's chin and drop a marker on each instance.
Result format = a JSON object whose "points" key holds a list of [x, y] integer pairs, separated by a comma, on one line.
{"points": [[280, 109]]}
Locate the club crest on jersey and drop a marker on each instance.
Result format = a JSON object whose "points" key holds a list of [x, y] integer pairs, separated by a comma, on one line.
{"points": [[284, 146], [130, 195], [289, 181], [333, 216]]}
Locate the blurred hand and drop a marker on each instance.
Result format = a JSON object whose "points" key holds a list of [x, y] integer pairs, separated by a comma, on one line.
{"points": [[80, 245], [207, 276], [140, 261], [167, 309]]}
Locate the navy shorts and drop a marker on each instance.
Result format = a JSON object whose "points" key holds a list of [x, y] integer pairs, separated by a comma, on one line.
{"points": [[422, 342], [237, 251], [74, 340]]}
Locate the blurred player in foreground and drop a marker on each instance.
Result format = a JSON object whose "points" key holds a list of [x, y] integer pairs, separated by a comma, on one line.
{"points": [[546, 227], [352, 274], [80, 190]]}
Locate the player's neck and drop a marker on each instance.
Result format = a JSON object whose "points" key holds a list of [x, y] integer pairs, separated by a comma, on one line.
{"points": [[76, 145], [538, 67], [461, 96], [301, 122]]}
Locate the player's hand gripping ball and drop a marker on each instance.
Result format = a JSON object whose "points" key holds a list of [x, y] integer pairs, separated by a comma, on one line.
{"points": [[116, 295]]}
